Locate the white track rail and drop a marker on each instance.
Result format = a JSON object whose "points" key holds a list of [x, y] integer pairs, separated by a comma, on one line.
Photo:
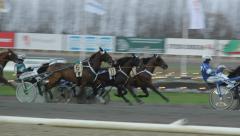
{"points": [[174, 128]]}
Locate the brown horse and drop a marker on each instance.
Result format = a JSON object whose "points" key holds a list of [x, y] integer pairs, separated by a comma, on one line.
{"points": [[143, 78], [66, 71], [5, 57]]}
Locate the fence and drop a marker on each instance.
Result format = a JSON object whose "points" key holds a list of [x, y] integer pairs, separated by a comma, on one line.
{"points": [[176, 127]]}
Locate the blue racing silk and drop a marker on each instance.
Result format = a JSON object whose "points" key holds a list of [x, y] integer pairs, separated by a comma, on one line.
{"points": [[206, 71]]}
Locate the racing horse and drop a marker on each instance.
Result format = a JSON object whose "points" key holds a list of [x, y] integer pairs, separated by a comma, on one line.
{"points": [[143, 77], [123, 68], [60, 71], [234, 74], [5, 57]]}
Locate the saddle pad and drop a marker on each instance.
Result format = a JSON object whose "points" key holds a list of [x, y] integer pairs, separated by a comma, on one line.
{"points": [[112, 71], [133, 72], [78, 68]]}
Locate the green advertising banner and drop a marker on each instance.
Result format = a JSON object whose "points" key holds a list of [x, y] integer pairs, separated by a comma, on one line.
{"points": [[139, 45], [232, 47]]}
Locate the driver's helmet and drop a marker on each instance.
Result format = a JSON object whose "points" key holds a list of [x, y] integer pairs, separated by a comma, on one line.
{"points": [[21, 57], [206, 57]]}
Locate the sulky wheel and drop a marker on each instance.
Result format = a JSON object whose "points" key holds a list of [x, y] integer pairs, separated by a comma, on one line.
{"points": [[26, 92], [224, 102]]}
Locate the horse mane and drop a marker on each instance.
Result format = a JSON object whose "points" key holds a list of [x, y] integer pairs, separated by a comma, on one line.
{"points": [[235, 72], [93, 55], [146, 60], [122, 61]]}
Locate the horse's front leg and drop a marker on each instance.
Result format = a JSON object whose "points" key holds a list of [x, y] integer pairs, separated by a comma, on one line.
{"points": [[81, 96], [96, 87], [130, 88], [145, 91], [49, 92], [39, 89], [151, 86], [120, 92]]}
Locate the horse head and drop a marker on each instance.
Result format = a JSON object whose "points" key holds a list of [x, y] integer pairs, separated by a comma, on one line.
{"points": [[11, 56], [234, 73], [160, 62], [135, 60], [107, 58]]}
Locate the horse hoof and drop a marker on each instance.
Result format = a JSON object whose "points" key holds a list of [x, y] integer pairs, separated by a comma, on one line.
{"points": [[117, 95], [130, 104], [100, 99], [140, 102]]}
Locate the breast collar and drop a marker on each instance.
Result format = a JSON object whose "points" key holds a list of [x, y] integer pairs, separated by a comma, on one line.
{"points": [[145, 71], [120, 70], [92, 70]]}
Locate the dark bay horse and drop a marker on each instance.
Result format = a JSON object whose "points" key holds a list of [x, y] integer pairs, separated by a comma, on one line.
{"points": [[5, 57], [143, 78], [233, 74], [66, 71], [123, 68]]}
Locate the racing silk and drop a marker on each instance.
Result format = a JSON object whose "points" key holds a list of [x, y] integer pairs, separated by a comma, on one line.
{"points": [[20, 68], [206, 71]]}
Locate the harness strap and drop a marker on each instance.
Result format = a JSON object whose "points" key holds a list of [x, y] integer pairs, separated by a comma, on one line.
{"points": [[94, 72], [89, 66], [144, 71], [123, 72], [120, 70]]}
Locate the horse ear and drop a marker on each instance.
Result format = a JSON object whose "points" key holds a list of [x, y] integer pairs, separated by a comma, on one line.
{"points": [[154, 55], [100, 48], [10, 52], [133, 54]]}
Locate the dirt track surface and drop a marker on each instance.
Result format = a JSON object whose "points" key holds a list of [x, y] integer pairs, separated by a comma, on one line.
{"points": [[159, 113]]}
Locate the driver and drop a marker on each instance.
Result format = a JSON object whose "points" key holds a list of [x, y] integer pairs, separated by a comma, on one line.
{"points": [[211, 76], [20, 67]]}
